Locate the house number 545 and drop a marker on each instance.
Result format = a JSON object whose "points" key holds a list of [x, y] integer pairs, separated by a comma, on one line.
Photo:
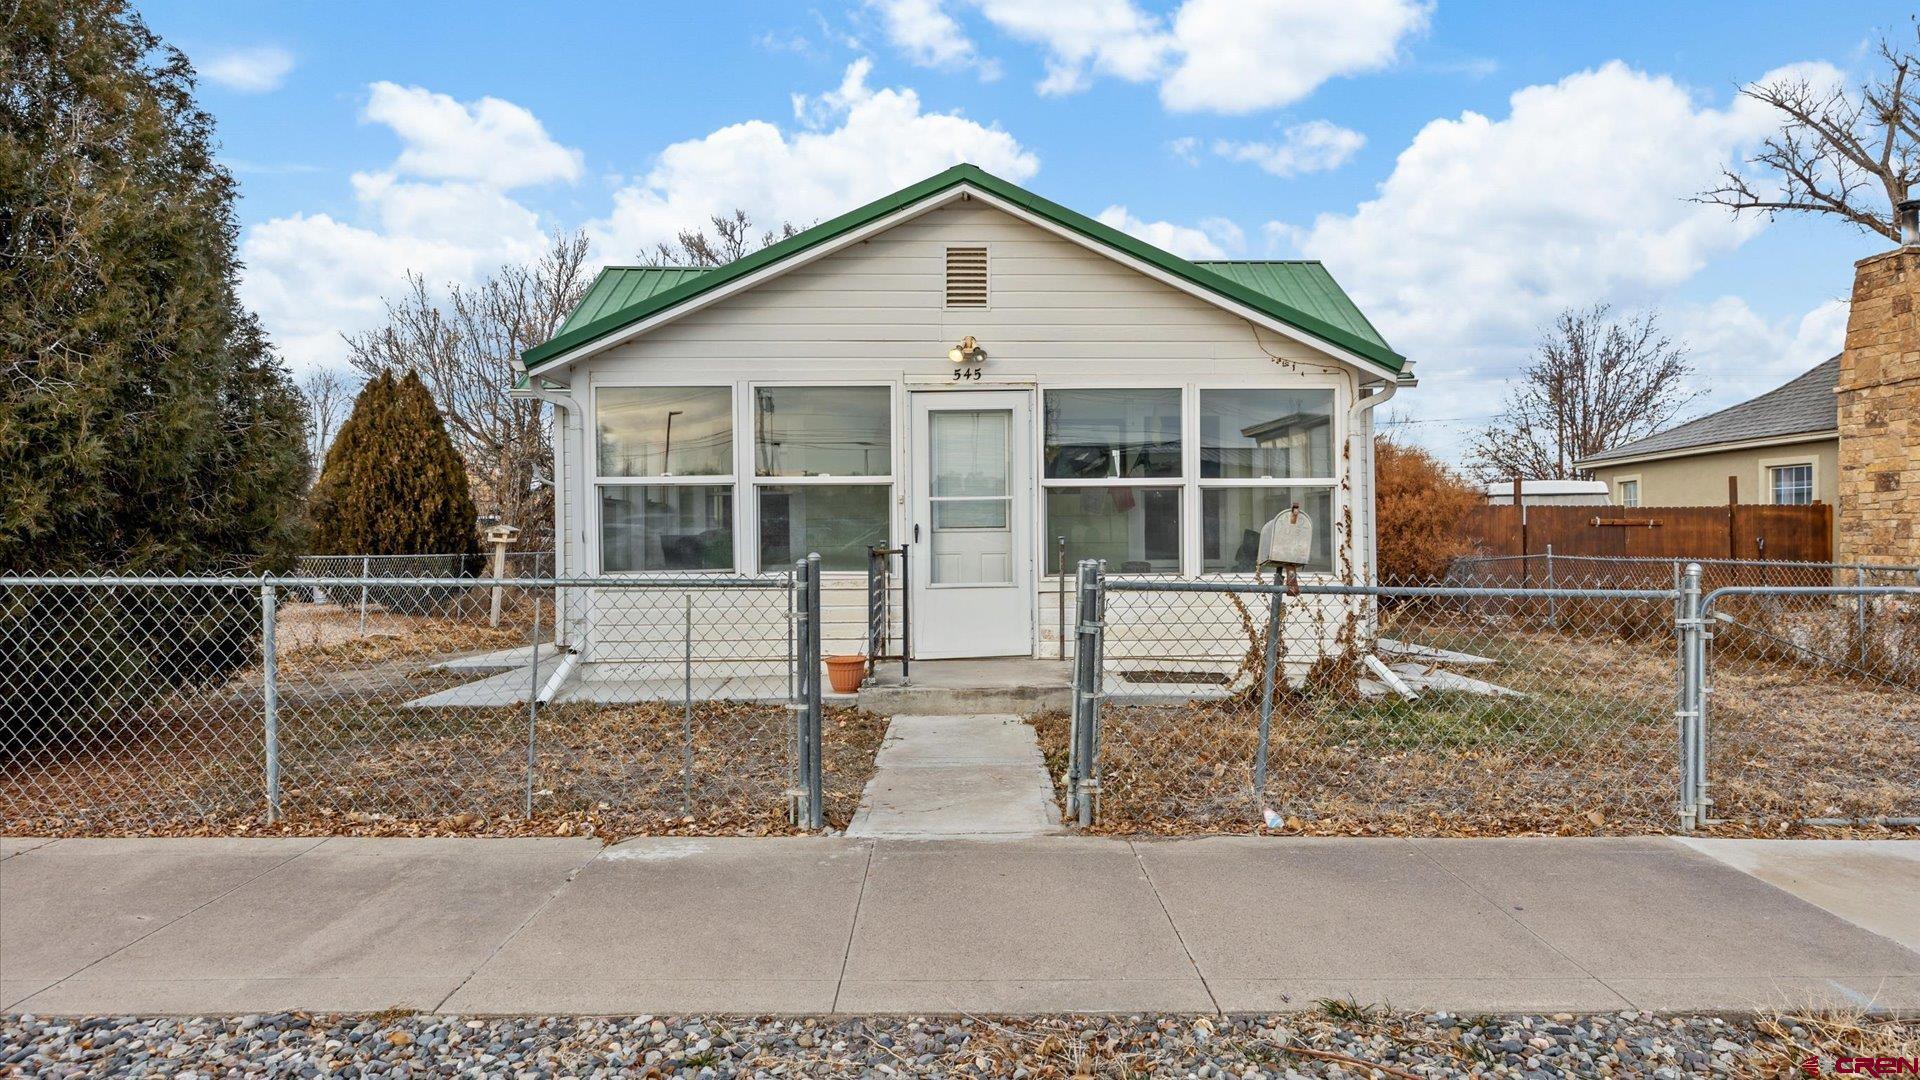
{"points": [[966, 374]]}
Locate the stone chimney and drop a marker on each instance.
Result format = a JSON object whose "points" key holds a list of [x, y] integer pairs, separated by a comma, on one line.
{"points": [[1877, 513]]}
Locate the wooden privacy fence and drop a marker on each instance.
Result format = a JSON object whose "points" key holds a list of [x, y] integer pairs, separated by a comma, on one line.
{"points": [[1732, 531]]}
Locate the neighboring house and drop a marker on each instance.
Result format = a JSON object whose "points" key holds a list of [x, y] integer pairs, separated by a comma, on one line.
{"points": [[1781, 447], [819, 396]]}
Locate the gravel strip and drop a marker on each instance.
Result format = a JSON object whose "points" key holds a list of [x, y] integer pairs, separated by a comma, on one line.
{"points": [[1337, 1040]]}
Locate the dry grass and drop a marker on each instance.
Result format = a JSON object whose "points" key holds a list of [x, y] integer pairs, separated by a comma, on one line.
{"points": [[1784, 1042], [357, 760], [1590, 750]]}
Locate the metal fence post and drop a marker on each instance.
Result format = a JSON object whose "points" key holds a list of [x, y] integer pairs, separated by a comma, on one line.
{"points": [[1084, 782], [686, 712], [1860, 652], [533, 702], [1692, 656], [802, 694], [270, 699], [816, 795], [1553, 602], [1269, 670], [366, 571], [1076, 702]]}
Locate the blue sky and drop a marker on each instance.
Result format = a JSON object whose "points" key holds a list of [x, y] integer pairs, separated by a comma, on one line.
{"points": [[1464, 169]]}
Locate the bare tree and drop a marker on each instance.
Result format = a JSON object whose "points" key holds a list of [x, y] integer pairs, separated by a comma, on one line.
{"points": [[732, 237], [1595, 382], [327, 394], [1852, 154], [463, 347]]}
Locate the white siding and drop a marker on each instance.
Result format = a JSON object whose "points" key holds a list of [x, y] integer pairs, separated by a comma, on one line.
{"points": [[1060, 315]]}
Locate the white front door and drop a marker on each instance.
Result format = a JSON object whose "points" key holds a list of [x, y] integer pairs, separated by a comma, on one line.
{"points": [[973, 537]]}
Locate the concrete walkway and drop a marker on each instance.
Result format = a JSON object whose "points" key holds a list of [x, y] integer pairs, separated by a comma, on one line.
{"points": [[1048, 924], [958, 777]]}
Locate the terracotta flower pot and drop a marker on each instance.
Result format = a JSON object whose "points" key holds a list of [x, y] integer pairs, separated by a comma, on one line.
{"points": [[846, 673]]}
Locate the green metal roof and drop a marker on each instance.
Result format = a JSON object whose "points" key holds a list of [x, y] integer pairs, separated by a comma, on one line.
{"points": [[1297, 300], [621, 287], [1303, 284]]}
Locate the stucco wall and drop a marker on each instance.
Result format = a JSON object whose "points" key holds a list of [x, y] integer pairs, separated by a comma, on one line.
{"points": [[1701, 479]]}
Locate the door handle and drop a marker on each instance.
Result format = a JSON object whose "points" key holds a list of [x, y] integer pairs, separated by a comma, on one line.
{"points": [[916, 532]]}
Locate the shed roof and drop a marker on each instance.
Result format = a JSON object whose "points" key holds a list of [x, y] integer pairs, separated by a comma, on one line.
{"points": [[1299, 297], [1805, 406]]}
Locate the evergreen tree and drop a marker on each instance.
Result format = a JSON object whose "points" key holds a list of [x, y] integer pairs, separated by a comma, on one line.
{"points": [[393, 483], [145, 423]]}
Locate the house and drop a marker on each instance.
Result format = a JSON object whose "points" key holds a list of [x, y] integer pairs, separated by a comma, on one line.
{"points": [[1781, 448], [973, 372]]}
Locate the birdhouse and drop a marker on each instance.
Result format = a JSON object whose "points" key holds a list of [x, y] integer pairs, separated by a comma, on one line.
{"points": [[499, 535], [1287, 540]]}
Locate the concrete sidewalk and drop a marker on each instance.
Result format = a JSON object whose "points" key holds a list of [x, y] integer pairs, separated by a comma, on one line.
{"points": [[1047, 924]]}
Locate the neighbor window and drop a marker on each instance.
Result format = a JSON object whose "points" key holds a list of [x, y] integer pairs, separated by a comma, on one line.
{"points": [[1791, 485], [665, 456], [823, 471], [1261, 452], [1113, 478], [1629, 492]]}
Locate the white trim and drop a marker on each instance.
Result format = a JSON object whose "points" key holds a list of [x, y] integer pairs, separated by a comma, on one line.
{"points": [[932, 202], [1590, 464]]}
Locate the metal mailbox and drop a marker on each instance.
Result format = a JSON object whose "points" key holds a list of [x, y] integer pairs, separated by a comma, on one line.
{"points": [[1287, 540]]}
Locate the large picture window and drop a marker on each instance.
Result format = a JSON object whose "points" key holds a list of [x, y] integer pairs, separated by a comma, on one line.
{"points": [[823, 471], [665, 456], [1113, 473], [1262, 451]]}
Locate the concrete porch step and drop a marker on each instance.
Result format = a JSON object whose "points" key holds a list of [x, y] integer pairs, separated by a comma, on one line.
{"points": [[1016, 685]]}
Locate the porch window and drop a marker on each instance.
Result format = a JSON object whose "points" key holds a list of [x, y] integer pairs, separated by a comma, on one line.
{"points": [[665, 456], [1262, 451], [1113, 477], [823, 472]]}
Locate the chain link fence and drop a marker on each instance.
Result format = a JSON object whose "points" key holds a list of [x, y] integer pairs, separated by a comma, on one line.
{"points": [[1551, 571], [1220, 705], [396, 704]]}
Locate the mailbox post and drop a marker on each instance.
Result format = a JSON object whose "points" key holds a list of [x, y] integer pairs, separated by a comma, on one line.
{"points": [[500, 536], [1286, 543]]}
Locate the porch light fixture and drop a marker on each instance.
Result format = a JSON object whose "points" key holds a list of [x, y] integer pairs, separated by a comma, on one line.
{"points": [[967, 352]]}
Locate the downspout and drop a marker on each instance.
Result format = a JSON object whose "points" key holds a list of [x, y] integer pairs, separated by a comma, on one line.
{"points": [[1360, 449], [568, 424]]}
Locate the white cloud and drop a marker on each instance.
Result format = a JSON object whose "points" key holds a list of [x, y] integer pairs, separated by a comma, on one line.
{"points": [[491, 141], [1226, 56], [250, 71], [1186, 148], [442, 209], [1743, 354], [929, 36], [1240, 55], [1487, 227], [857, 143], [1213, 238], [1314, 146]]}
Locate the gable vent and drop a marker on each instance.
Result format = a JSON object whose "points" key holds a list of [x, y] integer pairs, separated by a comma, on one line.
{"points": [[966, 277]]}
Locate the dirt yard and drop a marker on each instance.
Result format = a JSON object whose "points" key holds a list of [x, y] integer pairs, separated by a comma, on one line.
{"points": [[1588, 746], [356, 759]]}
